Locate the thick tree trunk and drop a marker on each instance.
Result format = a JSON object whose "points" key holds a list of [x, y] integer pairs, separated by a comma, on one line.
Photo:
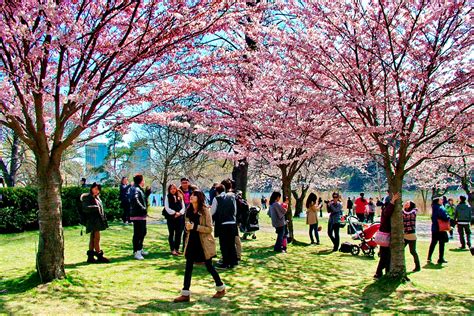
{"points": [[286, 189], [397, 243], [50, 256], [240, 176], [299, 199]]}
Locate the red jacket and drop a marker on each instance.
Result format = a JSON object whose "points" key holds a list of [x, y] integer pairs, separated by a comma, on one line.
{"points": [[360, 205]]}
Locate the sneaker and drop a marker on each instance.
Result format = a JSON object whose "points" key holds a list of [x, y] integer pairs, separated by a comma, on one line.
{"points": [[138, 255], [440, 261], [144, 253]]}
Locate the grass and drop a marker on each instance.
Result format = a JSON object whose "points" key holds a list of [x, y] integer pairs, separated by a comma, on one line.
{"points": [[309, 279]]}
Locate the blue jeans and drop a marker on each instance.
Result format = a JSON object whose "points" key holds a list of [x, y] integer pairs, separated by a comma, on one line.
{"points": [[279, 242]]}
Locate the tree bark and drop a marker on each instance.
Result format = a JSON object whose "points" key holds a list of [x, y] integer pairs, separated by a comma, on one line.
{"points": [[286, 189], [397, 242], [240, 174], [50, 256], [300, 199]]}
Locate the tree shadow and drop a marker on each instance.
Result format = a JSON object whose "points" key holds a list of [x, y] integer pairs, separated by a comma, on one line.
{"points": [[20, 285], [163, 305], [374, 294]]}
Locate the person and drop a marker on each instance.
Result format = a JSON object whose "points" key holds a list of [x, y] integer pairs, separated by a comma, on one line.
{"points": [[335, 212], [243, 210], [187, 190], [462, 216], [200, 245], [286, 204], [450, 208], [96, 221], [224, 212], [212, 193], [138, 215], [312, 217], [438, 212], [445, 200], [370, 211], [82, 183], [277, 213], [153, 201], [124, 200], [174, 206], [385, 227], [320, 205], [263, 201], [349, 205], [360, 206], [409, 229]]}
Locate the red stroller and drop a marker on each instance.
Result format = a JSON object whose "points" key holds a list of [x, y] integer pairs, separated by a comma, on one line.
{"points": [[365, 235]]}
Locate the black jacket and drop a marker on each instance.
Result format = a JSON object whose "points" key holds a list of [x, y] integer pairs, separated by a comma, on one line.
{"points": [[138, 202]]}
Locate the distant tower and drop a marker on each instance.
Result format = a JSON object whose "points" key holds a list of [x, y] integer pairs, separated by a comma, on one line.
{"points": [[95, 158], [141, 160]]}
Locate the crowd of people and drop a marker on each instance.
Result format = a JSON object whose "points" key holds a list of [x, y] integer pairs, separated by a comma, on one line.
{"points": [[193, 225]]}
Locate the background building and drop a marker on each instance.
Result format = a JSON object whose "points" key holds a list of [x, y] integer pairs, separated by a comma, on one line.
{"points": [[141, 160], [95, 158]]}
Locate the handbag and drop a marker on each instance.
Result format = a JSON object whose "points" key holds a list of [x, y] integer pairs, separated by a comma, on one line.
{"points": [[382, 239], [165, 214], [341, 222], [444, 226]]}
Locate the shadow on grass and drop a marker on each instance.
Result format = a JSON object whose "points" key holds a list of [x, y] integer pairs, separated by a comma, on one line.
{"points": [[20, 284], [432, 266], [374, 294], [459, 250]]}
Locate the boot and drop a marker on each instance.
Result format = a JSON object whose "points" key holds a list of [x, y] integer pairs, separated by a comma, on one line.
{"points": [[90, 257], [101, 258], [219, 294], [417, 264]]}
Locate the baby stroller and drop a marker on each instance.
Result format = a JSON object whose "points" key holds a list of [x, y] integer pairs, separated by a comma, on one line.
{"points": [[365, 234], [250, 222]]}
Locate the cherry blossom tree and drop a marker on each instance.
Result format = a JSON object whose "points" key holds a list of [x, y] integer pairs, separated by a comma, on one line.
{"points": [[284, 127], [398, 73], [75, 69]]}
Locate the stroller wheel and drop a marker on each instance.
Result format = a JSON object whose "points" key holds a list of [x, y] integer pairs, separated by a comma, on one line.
{"points": [[254, 236], [368, 251], [355, 250]]}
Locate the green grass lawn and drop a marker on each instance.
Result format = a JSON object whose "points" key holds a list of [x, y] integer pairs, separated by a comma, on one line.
{"points": [[309, 279]]}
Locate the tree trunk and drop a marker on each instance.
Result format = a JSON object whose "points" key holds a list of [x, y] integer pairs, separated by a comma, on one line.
{"points": [[164, 182], [286, 188], [240, 176], [300, 199], [397, 242], [15, 161], [424, 197], [50, 256]]}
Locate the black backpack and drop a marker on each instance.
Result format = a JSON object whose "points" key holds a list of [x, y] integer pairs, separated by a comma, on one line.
{"points": [[80, 210]]}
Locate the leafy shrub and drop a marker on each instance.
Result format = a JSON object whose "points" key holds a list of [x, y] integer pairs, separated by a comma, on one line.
{"points": [[19, 207]]}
